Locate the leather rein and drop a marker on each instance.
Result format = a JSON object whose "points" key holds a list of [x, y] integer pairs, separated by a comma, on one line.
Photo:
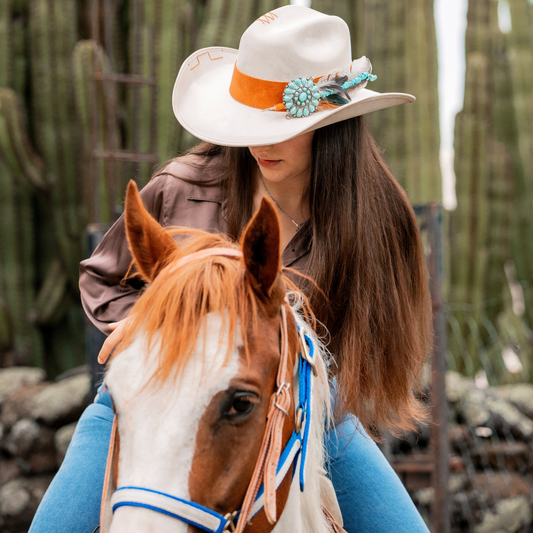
{"points": [[272, 465]]}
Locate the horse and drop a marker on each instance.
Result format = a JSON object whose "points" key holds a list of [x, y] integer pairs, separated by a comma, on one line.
{"points": [[219, 388]]}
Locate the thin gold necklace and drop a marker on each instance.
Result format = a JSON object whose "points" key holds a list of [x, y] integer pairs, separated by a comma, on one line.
{"points": [[298, 226]]}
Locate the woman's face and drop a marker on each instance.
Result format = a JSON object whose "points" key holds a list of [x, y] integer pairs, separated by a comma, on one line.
{"points": [[288, 160]]}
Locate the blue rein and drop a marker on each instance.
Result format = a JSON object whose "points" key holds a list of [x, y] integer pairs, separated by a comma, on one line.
{"points": [[211, 521]]}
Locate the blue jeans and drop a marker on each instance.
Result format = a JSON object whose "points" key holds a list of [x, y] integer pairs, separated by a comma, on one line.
{"points": [[371, 497]]}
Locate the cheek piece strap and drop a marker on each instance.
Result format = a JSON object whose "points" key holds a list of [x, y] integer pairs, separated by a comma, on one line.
{"points": [[272, 465]]}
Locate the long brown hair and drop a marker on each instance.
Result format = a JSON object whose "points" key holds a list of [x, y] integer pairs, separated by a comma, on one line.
{"points": [[367, 261]]}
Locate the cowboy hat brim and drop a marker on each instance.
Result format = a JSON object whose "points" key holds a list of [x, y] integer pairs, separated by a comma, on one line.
{"points": [[203, 105]]}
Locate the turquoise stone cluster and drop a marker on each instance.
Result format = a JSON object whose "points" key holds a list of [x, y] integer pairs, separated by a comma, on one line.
{"points": [[301, 97]]}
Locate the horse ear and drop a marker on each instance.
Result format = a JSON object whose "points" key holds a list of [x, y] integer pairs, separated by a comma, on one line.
{"points": [[150, 245], [261, 247]]}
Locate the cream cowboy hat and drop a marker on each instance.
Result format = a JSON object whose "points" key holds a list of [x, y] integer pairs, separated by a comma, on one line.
{"points": [[293, 73]]}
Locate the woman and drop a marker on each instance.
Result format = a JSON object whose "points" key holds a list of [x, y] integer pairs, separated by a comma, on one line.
{"points": [[345, 223]]}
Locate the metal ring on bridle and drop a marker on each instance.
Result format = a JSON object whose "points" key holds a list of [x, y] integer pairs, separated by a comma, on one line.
{"points": [[284, 385], [230, 525], [304, 350]]}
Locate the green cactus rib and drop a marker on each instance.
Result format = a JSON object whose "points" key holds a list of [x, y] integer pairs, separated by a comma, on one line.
{"points": [[52, 28], [6, 327], [91, 96], [15, 148], [48, 308], [19, 56], [5, 43]]}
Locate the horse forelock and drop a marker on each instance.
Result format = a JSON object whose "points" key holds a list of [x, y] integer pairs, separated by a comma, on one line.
{"points": [[174, 306]]}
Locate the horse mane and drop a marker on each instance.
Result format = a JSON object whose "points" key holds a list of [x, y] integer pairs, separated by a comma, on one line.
{"points": [[174, 306], [311, 512]]}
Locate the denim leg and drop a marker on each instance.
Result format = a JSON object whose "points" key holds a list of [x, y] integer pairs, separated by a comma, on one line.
{"points": [[72, 502], [371, 496]]}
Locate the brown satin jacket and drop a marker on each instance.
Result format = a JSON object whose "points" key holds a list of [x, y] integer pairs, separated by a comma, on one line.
{"points": [[171, 201]]}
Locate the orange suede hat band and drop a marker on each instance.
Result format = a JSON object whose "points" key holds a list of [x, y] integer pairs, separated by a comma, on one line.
{"points": [[254, 92]]}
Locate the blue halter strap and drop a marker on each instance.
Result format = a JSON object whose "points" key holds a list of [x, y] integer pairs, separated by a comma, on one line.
{"points": [[211, 521]]}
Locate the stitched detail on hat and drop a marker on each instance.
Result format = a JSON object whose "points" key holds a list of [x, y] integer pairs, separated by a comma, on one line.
{"points": [[203, 54], [267, 17]]}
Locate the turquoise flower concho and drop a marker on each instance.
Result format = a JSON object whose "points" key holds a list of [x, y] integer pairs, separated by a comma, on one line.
{"points": [[301, 97]]}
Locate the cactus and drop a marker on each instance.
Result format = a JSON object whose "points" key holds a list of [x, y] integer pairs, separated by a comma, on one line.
{"points": [[16, 265], [5, 43], [469, 222], [404, 58], [48, 307], [481, 227], [15, 148], [53, 36], [521, 78], [100, 190]]}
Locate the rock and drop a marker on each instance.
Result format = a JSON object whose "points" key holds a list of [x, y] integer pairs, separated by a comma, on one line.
{"points": [[424, 496], [509, 516], [520, 395], [14, 498], [475, 410], [19, 500], [12, 379], [43, 461], [62, 402], [62, 440], [9, 469], [483, 408], [22, 437], [19, 404], [457, 482], [457, 386], [509, 417]]}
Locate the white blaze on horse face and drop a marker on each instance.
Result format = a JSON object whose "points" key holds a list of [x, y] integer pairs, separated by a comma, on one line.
{"points": [[158, 422]]}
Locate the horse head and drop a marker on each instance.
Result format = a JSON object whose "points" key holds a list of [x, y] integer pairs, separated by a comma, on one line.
{"points": [[209, 427]]}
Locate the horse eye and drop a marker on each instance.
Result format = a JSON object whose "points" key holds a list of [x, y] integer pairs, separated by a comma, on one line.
{"points": [[243, 403]]}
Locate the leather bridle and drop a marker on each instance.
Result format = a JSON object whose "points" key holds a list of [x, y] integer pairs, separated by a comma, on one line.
{"points": [[272, 465]]}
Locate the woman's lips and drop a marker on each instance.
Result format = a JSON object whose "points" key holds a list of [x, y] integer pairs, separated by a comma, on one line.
{"points": [[268, 163]]}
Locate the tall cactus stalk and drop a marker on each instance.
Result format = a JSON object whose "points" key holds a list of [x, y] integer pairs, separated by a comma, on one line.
{"points": [[521, 78], [21, 172], [469, 222], [399, 38], [97, 111], [17, 269], [5, 43], [53, 36], [481, 226]]}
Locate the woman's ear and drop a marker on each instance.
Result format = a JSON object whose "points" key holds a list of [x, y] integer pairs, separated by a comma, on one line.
{"points": [[151, 246], [261, 248]]}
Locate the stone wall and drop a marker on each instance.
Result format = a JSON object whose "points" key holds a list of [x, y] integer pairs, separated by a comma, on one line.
{"points": [[37, 420]]}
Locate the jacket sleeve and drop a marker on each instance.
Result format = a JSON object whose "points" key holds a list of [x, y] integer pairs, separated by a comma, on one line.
{"points": [[105, 296]]}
